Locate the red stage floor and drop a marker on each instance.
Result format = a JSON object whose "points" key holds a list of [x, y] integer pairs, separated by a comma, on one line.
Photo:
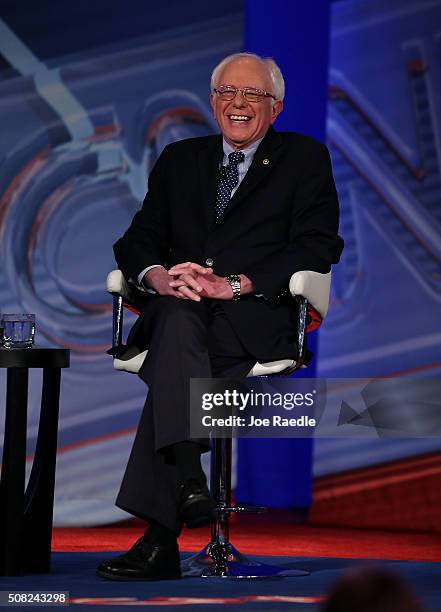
{"points": [[271, 534]]}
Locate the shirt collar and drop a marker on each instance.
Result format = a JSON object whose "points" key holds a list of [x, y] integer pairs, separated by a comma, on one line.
{"points": [[248, 151]]}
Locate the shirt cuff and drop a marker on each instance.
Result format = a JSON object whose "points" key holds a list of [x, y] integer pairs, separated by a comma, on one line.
{"points": [[141, 276]]}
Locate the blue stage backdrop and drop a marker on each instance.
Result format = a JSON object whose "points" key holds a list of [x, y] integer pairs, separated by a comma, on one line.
{"points": [[298, 40], [90, 93]]}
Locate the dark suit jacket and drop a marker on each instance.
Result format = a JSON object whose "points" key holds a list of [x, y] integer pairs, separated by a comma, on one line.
{"points": [[282, 218]]}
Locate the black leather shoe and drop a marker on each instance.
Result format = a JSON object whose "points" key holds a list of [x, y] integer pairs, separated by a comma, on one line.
{"points": [[196, 507], [146, 560]]}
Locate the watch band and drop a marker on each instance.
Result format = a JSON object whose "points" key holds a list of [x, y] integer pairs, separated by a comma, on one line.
{"points": [[234, 281]]}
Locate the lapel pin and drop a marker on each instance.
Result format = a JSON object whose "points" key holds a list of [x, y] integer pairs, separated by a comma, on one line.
{"points": [[265, 162]]}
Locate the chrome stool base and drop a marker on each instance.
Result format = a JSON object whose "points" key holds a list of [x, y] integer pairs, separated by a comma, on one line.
{"points": [[217, 560]]}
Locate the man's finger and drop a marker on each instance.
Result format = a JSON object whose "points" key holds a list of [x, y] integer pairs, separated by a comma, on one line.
{"points": [[189, 293], [186, 279], [181, 283], [189, 267], [175, 271]]}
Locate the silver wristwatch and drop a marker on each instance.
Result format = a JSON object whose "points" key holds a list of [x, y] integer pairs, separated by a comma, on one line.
{"points": [[234, 281]]}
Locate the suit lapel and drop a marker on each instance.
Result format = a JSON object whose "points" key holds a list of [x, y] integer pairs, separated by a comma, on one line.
{"points": [[264, 160], [209, 160]]}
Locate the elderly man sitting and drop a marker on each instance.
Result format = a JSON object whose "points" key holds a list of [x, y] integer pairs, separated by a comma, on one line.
{"points": [[226, 221]]}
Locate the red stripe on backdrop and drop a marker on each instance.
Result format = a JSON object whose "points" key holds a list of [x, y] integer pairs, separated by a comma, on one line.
{"points": [[91, 441]]}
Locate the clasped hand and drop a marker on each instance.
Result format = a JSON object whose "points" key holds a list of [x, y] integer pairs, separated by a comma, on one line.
{"points": [[189, 281], [195, 282]]}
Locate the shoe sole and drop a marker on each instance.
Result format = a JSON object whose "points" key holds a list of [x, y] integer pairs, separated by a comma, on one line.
{"points": [[108, 576]]}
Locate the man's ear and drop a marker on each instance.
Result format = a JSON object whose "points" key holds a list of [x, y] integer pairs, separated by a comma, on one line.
{"points": [[212, 101], [276, 110]]}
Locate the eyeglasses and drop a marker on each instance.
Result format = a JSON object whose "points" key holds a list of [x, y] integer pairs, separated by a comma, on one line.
{"points": [[251, 94]]}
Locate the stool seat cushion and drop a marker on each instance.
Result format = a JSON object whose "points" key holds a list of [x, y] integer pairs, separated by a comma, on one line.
{"points": [[130, 360]]}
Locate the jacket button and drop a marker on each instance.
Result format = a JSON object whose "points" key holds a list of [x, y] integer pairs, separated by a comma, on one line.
{"points": [[209, 261]]}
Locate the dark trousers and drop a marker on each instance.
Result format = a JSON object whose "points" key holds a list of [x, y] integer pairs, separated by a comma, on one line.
{"points": [[186, 339]]}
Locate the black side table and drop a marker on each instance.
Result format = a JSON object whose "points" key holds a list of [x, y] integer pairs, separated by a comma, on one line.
{"points": [[26, 516]]}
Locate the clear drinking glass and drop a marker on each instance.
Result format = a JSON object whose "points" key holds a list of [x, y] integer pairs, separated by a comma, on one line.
{"points": [[18, 330]]}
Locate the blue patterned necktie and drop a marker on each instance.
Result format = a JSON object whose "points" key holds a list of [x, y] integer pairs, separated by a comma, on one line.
{"points": [[228, 179]]}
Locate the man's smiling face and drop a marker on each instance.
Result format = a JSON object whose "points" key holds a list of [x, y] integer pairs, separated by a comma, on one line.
{"points": [[242, 122]]}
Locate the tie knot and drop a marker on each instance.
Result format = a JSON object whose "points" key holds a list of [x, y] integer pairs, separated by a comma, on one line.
{"points": [[235, 158]]}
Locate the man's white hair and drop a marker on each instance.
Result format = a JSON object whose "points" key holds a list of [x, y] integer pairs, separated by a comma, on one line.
{"points": [[274, 72]]}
